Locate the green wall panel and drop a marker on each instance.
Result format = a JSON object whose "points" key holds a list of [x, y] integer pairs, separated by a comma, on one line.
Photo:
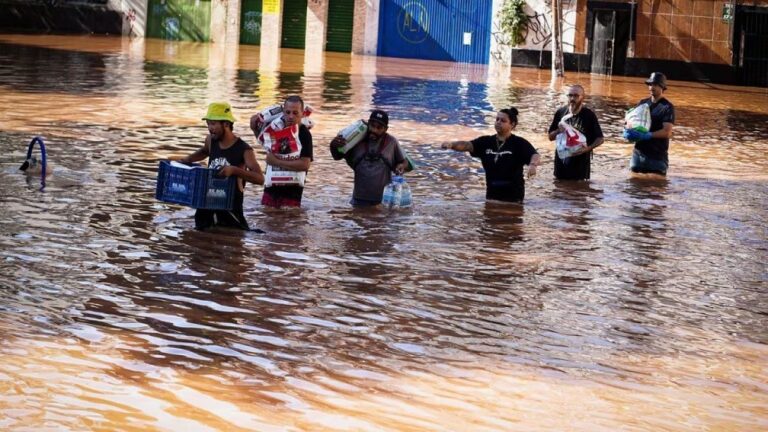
{"points": [[294, 23], [250, 22], [340, 18], [188, 20]]}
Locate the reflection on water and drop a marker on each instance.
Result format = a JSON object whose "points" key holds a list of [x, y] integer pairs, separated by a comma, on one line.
{"points": [[623, 302]]}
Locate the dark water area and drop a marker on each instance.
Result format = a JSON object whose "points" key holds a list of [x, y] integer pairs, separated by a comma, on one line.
{"points": [[619, 303]]}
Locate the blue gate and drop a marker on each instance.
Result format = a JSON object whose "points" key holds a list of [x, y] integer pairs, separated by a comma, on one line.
{"points": [[452, 30]]}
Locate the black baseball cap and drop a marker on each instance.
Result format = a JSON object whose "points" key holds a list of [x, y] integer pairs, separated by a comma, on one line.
{"points": [[380, 116]]}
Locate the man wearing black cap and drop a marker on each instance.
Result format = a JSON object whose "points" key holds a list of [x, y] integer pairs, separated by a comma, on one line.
{"points": [[373, 160], [651, 148]]}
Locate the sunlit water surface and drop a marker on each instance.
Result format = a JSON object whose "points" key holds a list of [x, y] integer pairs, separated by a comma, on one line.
{"points": [[617, 304]]}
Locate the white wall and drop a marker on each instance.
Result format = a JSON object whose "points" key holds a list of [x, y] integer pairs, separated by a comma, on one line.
{"points": [[540, 25]]}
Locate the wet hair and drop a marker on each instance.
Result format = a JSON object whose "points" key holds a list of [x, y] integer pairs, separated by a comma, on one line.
{"points": [[578, 86], [295, 99], [511, 113]]}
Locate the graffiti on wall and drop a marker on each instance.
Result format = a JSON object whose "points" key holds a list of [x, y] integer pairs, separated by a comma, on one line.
{"points": [[538, 33]]}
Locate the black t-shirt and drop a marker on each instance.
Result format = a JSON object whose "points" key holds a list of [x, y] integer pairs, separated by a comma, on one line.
{"points": [[218, 158], [577, 167], [503, 165], [233, 155], [661, 112], [294, 191]]}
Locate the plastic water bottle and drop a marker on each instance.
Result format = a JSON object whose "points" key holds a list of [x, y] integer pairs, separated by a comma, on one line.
{"points": [[389, 194], [397, 181], [405, 194]]}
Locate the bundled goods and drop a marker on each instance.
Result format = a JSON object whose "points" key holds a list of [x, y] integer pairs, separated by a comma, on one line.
{"points": [[284, 143], [274, 112], [353, 134], [281, 141], [638, 118], [569, 142], [277, 177], [397, 194]]}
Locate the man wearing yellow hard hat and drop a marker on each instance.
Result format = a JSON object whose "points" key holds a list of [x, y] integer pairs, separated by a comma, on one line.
{"points": [[232, 157]]}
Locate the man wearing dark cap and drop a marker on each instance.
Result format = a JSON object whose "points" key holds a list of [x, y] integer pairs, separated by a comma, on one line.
{"points": [[373, 160], [651, 148]]}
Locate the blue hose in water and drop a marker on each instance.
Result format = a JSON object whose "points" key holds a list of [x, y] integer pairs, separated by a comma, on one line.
{"points": [[42, 157]]}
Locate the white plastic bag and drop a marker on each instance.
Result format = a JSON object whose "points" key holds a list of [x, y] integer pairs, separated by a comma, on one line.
{"points": [[638, 118], [569, 142]]}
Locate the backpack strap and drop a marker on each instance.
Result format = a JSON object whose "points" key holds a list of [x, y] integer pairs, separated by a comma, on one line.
{"points": [[380, 154]]}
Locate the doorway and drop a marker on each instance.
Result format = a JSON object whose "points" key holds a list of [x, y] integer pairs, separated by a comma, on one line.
{"points": [[610, 30], [751, 45]]}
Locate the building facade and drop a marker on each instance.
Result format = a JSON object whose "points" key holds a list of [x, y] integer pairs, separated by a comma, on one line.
{"points": [[705, 40], [723, 41]]}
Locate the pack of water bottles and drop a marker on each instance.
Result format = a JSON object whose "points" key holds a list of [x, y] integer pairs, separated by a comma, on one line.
{"points": [[397, 194], [353, 134]]}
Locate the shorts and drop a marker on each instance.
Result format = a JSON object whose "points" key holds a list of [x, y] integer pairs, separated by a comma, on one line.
{"points": [[643, 164]]}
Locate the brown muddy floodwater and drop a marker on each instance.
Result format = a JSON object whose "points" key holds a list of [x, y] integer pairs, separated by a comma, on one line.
{"points": [[618, 304]]}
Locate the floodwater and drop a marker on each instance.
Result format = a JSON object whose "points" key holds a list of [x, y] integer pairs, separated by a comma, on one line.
{"points": [[617, 304]]}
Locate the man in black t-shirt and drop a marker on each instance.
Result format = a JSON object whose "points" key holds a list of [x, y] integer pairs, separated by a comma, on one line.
{"points": [[232, 157], [581, 118], [651, 153]]}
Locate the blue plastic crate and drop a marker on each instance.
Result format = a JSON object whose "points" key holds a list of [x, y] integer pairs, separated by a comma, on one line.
{"points": [[196, 187]]}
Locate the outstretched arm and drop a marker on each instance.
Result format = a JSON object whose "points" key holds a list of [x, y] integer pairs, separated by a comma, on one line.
{"points": [[463, 146]]}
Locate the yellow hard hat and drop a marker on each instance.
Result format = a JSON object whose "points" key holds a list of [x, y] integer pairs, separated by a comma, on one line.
{"points": [[219, 111]]}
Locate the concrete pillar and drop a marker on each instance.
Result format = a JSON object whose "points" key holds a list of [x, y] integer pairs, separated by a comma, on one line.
{"points": [[365, 27], [233, 21], [317, 22], [269, 52], [225, 21], [271, 34], [218, 21], [314, 42]]}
